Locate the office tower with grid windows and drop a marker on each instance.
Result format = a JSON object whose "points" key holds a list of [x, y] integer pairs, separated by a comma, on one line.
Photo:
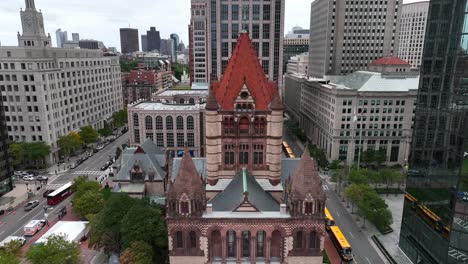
{"points": [[347, 35], [434, 225], [412, 31], [198, 29], [263, 19], [6, 166], [129, 40]]}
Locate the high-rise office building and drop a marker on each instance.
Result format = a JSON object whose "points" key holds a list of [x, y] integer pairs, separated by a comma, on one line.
{"points": [[167, 48], [144, 43], [263, 19], [153, 39], [198, 53], [129, 40], [296, 42], [76, 37], [62, 37], [48, 92], [412, 31], [346, 36], [6, 169], [176, 39], [434, 223]]}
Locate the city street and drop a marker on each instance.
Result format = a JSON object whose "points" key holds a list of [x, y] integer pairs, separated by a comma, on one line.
{"points": [[13, 223]]}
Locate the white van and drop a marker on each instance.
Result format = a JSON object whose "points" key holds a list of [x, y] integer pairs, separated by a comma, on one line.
{"points": [[31, 228], [12, 238]]}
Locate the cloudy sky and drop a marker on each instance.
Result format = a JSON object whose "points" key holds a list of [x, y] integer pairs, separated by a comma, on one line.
{"points": [[101, 19]]}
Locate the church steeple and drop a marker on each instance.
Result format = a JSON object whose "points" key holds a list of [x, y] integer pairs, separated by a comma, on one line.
{"points": [[33, 28], [30, 4]]}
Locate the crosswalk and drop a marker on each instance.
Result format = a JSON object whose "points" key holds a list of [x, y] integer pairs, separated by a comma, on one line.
{"points": [[88, 172], [325, 187]]}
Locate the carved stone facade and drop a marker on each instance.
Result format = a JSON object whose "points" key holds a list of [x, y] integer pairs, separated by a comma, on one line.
{"points": [[238, 204]]}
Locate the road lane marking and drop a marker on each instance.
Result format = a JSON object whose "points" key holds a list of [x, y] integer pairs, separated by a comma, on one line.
{"points": [[368, 260], [338, 214], [1, 233], [351, 235]]}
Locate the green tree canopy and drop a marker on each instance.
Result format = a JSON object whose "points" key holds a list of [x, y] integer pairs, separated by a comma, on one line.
{"points": [[69, 143], [13, 247], [57, 250], [138, 252], [179, 69], [127, 65], [17, 150], [319, 155], [8, 258], [120, 117], [105, 132], [88, 134], [88, 199], [359, 176], [30, 152], [145, 222], [104, 230]]}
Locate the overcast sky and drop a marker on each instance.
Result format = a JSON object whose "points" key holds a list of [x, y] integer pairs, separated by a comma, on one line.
{"points": [[101, 19]]}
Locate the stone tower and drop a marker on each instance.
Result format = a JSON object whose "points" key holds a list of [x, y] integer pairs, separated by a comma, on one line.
{"points": [[33, 28], [244, 120]]}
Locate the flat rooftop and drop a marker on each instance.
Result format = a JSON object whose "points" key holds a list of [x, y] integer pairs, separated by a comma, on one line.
{"points": [[183, 92], [155, 106]]}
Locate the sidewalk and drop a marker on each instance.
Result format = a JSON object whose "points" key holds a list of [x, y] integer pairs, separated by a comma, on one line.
{"points": [[18, 196], [388, 241]]}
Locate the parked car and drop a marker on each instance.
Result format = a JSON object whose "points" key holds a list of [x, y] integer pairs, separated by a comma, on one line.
{"points": [[74, 165], [34, 173], [31, 205], [28, 178], [124, 130], [105, 166], [7, 240], [42, 178], [99, 147], [20, 173]]}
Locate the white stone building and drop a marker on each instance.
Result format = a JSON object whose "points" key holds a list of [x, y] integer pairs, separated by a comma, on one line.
{"points": [[48, 92], [412, 32], [298, 64], [365, 109]]}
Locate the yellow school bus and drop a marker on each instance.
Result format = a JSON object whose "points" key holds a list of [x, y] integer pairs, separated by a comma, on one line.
{"points": [[340, 242]]}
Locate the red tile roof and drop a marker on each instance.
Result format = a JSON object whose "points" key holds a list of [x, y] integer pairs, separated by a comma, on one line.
{"points": [[244, 68], [389, 61]]}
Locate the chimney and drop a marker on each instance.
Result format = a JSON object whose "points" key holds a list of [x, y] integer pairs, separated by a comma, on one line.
{"points": [[283, 209], [209, 208]]}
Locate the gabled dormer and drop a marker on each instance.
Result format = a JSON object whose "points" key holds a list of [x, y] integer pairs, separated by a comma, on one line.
{"points": [[244, 103]]}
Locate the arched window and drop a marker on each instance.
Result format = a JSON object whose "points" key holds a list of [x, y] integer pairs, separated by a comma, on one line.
{"points": [[298, 239], [193, 239], [149, 122], [190, 124], [184, 207], [180, 122], [181, 100], [179, 239], [244, 125], [308, 208], [261, 244], [135, 120], [159, 123], [191, 101], [169, 123], [313, 240], [231, 244], [245, 244], [228, 126]]}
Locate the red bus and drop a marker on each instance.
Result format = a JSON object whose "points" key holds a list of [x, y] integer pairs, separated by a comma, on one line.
{"points": [[60, 194]]}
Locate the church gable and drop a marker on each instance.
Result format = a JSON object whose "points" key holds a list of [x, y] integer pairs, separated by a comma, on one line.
{"points": [[244, 72]]}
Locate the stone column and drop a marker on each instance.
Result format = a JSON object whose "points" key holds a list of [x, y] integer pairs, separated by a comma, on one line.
{"points": [[253, 249], [267, 248], [238, 247], [223, 248]]}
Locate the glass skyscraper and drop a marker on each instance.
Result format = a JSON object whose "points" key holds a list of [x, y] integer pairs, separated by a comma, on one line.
{"points": [[435, 217]]}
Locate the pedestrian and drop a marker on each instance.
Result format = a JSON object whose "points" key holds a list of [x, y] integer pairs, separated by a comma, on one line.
{"points": [[55, 172]]}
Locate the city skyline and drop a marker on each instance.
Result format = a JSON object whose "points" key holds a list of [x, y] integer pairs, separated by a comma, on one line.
{"points": [[66, 14]]}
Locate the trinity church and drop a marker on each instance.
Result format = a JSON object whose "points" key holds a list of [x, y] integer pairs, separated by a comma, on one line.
{"points": [[244, 202]]}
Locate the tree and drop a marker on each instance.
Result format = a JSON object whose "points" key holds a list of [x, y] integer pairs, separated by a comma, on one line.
{"points": [[105, 132], [178, 70], [319, 155], [88, 204], [118, 151], [30, 152], [69, 143], [8, 258], [359, 176], [120, 117], [127, 66], [13, 247], [17, 150], [57, 250], [389, 176], [105, 228], [88, 134], [138, 252], [334, 165], [88, 199]]}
